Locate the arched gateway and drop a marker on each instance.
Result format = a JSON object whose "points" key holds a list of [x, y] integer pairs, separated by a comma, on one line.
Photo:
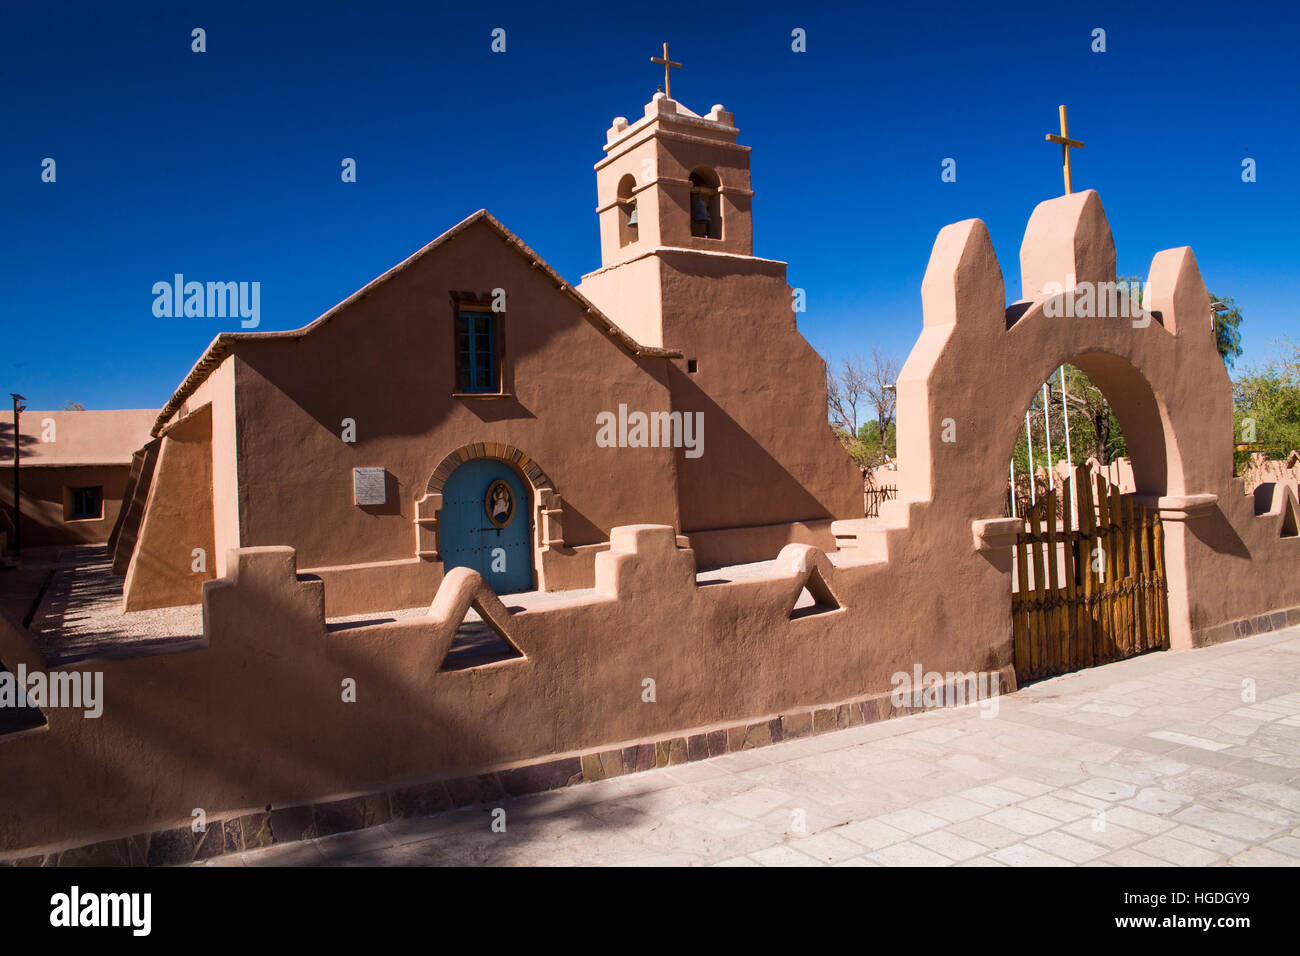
{"points": [[978, 363]]}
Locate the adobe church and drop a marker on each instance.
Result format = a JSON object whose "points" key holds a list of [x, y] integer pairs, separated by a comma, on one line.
{"points": [[457, 410]]}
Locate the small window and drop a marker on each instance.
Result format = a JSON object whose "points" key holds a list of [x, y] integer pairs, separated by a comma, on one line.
{"points": [[87, 503], [476, 352], [692, 366]]}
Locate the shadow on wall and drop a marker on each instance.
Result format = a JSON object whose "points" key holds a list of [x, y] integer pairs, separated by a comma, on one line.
{"points": [[1217, 533], [159, 719], [6, 477], [736, 482], [261, 715], [40, 515], [7, 442]]}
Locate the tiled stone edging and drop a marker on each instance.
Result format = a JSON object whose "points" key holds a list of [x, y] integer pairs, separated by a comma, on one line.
{"points": [[249, 831], [1246, 626]]}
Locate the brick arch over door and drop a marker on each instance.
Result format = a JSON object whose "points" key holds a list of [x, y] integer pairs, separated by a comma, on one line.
{"points": [[507, 453], [548, 513]]}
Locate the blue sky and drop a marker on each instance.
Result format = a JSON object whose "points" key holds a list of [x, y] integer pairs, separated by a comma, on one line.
{"points": [[225, 165]]}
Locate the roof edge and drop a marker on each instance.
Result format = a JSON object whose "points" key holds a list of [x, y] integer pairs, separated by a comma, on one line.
{"points": [[220, 346]]}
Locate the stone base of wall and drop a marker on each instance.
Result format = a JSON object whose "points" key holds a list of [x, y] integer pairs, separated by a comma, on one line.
{"points": [[1246, 626], [235, 832]]}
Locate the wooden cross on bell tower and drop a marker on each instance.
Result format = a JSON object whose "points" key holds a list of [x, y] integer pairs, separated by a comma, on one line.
{"points": [[1066, 143], [667, 65]]}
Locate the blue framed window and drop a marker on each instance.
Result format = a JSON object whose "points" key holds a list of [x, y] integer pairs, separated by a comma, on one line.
{"points": [[476, 352]]}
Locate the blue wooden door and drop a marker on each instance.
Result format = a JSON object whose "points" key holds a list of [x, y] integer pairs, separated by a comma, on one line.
{"points": [[485, 525]]}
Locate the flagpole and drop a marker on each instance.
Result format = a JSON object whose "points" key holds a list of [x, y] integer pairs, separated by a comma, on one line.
{"points": [[1013, 486], [1047, 426], [1029, 441], [1069, 457]]}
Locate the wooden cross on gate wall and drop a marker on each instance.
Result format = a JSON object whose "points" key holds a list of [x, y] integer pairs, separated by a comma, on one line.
{"points": [[667, 65], [1063, 139]]}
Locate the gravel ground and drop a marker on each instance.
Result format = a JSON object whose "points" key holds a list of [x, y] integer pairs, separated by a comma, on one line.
{"points": [[80, 615]]}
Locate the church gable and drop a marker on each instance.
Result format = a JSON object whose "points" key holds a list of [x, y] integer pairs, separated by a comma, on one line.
{"points": [[473, 258], [473, 318], [474, 342]]}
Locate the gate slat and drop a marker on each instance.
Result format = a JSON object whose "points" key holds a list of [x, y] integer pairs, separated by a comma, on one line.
{"points": [[1104, 536], [1072, 624], [1123, 560], [1161, 585], [1020, 609], [1144, 587], [1052, 650], [1087, 523], [1039, 646]]}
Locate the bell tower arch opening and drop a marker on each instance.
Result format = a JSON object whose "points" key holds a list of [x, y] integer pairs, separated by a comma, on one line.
{"points": [[705, 205], [628, 220]]}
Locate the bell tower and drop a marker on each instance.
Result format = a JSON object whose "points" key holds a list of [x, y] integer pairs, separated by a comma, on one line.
{"points": [[673, 184], [678, 271], [673, 179]]}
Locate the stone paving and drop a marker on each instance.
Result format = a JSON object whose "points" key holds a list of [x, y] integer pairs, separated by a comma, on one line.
{"points": [[1165, 760]]}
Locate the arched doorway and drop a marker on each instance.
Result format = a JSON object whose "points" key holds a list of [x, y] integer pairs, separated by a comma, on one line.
{"points": [[486, 524], [1088, 582], [963, 392]]}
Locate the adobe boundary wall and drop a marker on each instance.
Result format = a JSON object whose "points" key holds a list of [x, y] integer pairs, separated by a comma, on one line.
{"points": [[257, 827], [261, 715]]}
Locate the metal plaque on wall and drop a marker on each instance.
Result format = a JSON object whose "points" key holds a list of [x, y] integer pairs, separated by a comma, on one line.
{"points": [[368, 485]]}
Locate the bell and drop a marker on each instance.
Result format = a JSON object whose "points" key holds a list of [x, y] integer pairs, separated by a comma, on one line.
{"points": [[631, 216], [701, 211]]}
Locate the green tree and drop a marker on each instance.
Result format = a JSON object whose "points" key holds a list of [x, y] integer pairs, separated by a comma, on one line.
{"points": [[1266, 405], [1227, 328], [874, 449], [1094, 430], [857, 388]]}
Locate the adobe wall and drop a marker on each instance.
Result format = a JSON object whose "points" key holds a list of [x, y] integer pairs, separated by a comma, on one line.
{"points": [[1260, 470], [771, 455], [194, 729], [178, 519], [979, 363], [386, 361], [770, 459], [69, 449], [926, 585], [219, 392], [93, 436], [44, 491]]}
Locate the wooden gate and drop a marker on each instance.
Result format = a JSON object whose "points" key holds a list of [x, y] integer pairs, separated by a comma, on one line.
{"points": [[1090, 589]]}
